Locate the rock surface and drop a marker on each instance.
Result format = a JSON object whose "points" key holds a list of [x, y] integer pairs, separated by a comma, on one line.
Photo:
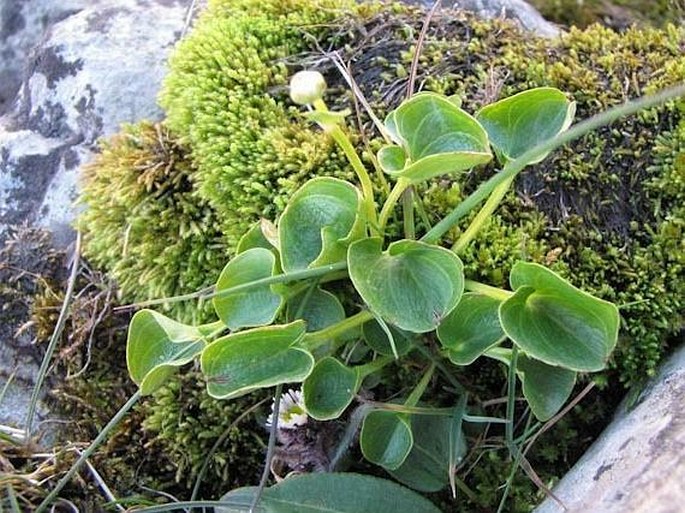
{"points": [[95, 68], [518, 10], [638, 464]]}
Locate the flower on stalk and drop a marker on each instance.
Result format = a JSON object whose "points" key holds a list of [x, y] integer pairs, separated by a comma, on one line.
{"points": [[306, 87], [291, 413]]}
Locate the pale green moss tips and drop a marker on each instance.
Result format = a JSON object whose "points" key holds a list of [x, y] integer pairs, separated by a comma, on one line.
{"points": [[144, 221]]}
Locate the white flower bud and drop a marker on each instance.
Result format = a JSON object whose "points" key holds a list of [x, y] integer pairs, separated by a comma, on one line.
{"points": [[306, 87]]}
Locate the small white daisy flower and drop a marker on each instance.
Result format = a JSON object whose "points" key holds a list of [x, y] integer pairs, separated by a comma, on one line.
{"points": [[291, 412]]}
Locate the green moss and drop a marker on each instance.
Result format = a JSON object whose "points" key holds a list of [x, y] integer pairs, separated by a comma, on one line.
{"points": [[226, 95], [145, 222], [185, 423]]}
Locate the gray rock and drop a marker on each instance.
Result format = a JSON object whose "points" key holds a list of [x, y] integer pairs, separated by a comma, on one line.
{"points": [[518, 10], [638, 464], [22, 26], [96, 69]]}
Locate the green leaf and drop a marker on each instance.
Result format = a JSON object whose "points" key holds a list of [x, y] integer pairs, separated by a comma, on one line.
{"points": [[333, 493], [253, 238], [319, 223], [386, 438], [412, 285], [259, 358], [521, 122], [257, 306], [546, 388], [329, 389], [435, 137], [427, 466], [377, 339], [156, 345], [392, 159], [553, 321], [471, 328], [321, 310]]}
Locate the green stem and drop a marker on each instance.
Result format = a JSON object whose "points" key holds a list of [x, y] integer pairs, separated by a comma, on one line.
{"points": [[371, 367], [344, 143], [511, 396], [392, 200], [420, 388], [209, 330], [270, 450], [487, 290], [441, 367], [305, 274], [408, 214], [102, 435], [483, 216], [313, 340], [54, 339], [353, 424], [207, 293], [514, 167]]}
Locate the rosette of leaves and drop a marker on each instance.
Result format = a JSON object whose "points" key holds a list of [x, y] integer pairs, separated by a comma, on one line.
{"points": [[286, 327]]}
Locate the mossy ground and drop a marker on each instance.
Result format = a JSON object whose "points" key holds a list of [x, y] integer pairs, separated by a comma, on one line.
{"points": [[607, 211]]}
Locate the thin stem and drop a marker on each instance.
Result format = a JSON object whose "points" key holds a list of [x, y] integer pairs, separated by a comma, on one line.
{"points": [[392, 200], [441, 367], [209, 292], [375, 365], [420, 388], [346, 146], [313, 340], [487, 290], [514, 167], [350, 432], [54, 339], [270, 450], [511, 397], [305, 274], [483, 216], [408, 214], [102, 435]]}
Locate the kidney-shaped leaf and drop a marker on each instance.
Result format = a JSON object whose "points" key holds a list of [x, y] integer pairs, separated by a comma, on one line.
{"points": [[256, 306], [546, 388], [321, 310], [329, 389], [412, 285], [156, 345], [427, 466], [471, 328], [318, 224], [262, 357], [553, 321], [524, 120], [377, 339], [386, 438], [435, 137], [331, 493]]}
